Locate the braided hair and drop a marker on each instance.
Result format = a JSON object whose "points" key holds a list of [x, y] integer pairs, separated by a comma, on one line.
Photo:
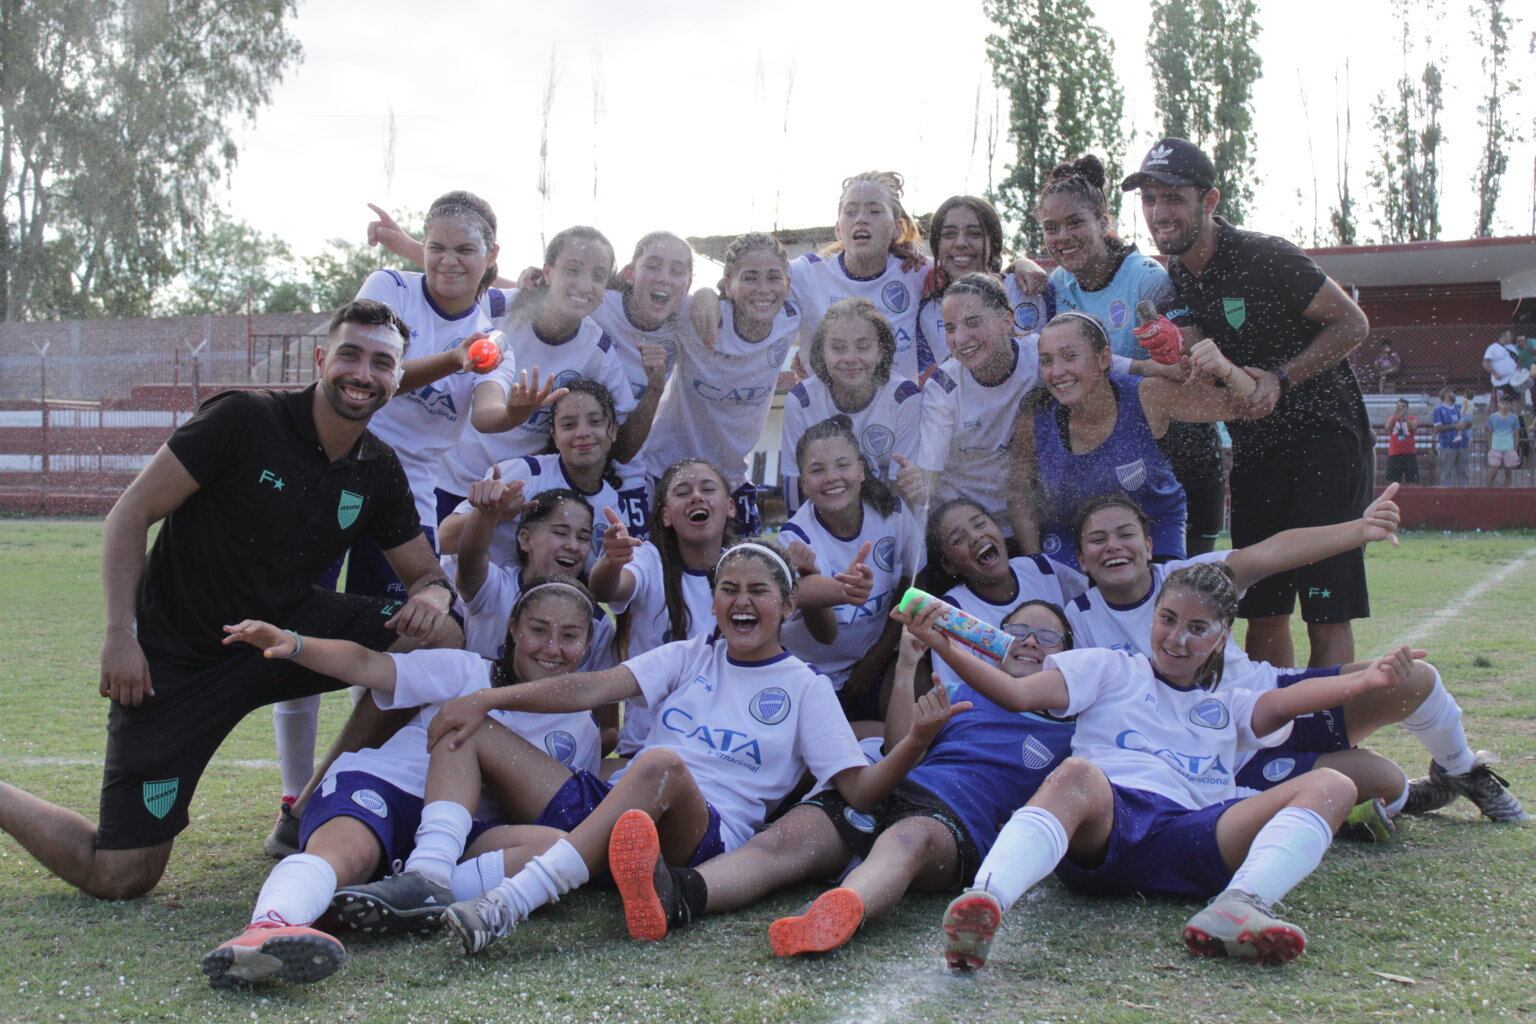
{"points": [[1216, 587], [904, 241]]}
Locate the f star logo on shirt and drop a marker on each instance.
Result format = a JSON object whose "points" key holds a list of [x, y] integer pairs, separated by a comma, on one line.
{"points": [[269, 477]]}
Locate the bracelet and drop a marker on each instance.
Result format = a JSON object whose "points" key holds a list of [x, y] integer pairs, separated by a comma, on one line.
{"points": [[442, 581], [298, 645]]}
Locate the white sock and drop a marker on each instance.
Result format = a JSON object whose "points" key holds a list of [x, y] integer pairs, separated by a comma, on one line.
{"points": [[296, 892], [474, 878], [439, 841], [544, 879], [1396, 806], [1285, 851], [1436, 724], [1028, 848], [294, 722]]}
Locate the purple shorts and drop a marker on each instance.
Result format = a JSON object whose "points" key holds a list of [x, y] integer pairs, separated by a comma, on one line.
{"points": [[1155, 846], [390, 813], [1312, 736], [583, 791]]}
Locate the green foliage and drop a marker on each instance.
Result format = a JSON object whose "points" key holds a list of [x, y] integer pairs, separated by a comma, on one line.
{"points": [[1406, 178], [1491, 27], [115, 125], [1204, 66], [1056, 65]]}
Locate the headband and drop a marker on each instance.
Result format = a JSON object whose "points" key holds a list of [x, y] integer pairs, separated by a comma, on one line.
{"points": [[789, 577], [563, 586], [1079, 315], [454, 209]]}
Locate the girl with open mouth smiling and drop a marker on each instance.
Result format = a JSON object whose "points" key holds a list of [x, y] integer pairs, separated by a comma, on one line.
{"points": [[851, 355], [1096, 432], [738, 721], [1149, 803]]}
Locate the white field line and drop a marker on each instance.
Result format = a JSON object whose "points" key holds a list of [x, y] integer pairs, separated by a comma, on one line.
{"points": [[41, 761], [1452, 611]]}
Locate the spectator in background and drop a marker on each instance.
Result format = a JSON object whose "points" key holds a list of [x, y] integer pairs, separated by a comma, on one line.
{"points": [[1386, 366], [1503, 426], [1452, 424], [1402, 445], [1503, 369]]}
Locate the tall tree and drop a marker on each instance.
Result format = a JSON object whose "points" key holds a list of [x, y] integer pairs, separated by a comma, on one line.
{"points": [[113, 132], [228, 261], [1406, 178], [1056, 66], [1342, 217], [1204, 66], [1491, 27]]}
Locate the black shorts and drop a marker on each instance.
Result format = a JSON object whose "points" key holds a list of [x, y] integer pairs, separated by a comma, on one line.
{"points": [[1403, 469], [1273, 496], [156, 752], [1206, 504], [858, 830]]}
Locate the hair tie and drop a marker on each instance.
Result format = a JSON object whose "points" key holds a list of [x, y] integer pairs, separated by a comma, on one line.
{"points": [[789, 577]]}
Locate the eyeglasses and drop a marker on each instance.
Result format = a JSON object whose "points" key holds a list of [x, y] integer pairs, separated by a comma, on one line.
{"points": [[1043, 637]]}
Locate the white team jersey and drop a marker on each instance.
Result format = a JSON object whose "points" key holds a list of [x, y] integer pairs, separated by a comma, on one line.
{"points": [[887, 425], [590, 353], [1097, 622], [427, 679], [486, 615], [422, 426], [1145, 733], [1030, 313], [1035, 578], [818, 283], [627, 337], [540, 473], [650, 627], [716, 403], [747, 731], [895, 537], [967, 430]]}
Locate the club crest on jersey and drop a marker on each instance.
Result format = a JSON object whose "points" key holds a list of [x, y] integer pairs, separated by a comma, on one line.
{"points": [[1236, 311], [1050, 544], [1279, 768], [1211, 713], [371, 802], [347, 509], [1132, 475], [1036, 754], [878, 440], [1117, 312], [160, 796], [777, 354], [896, 297], [858, 819], [885, 553], [561, 746], [1026, 316], [770, 706]]}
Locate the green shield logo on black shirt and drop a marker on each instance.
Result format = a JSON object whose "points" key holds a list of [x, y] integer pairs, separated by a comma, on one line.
{"points": [[160, 796], [348, 508], [1236, 311]]}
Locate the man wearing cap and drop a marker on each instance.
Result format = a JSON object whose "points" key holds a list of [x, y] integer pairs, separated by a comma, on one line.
{"points": [[1309, 460], [257, 494]]}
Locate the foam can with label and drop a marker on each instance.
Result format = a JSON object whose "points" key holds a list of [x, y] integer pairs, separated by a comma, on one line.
{"points": [[963, 627]]}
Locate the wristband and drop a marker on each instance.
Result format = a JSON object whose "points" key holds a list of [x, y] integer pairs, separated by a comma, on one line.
{"points": [[442, 581], [1285, 382], [298, 646]]}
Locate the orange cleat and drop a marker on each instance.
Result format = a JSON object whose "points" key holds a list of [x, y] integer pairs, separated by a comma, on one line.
{"points": [[269, 950], [825, 924], [634, 861], [970, 922]]}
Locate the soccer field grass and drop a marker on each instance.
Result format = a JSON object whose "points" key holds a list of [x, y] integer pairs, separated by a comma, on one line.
{"points": [[1450, 904]]}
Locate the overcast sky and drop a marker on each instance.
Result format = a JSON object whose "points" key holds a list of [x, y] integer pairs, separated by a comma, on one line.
{"points": [[716, 117]]}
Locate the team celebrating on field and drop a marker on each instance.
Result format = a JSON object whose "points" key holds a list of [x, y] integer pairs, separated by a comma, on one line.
{"points": [[580, 654]]}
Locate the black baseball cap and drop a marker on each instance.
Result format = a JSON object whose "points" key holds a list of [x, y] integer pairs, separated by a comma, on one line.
{"points": [[1176, 162]]}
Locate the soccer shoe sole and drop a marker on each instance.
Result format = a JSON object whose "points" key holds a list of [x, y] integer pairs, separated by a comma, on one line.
{"points": [[366, 913], [827, 924], [297, 959], [970, 923], [634, 851], [1276, 944], [473, 935]]}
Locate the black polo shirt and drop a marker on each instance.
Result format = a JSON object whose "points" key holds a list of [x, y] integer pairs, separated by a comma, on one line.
{"points": [[1250, 299], [272, 512]]}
